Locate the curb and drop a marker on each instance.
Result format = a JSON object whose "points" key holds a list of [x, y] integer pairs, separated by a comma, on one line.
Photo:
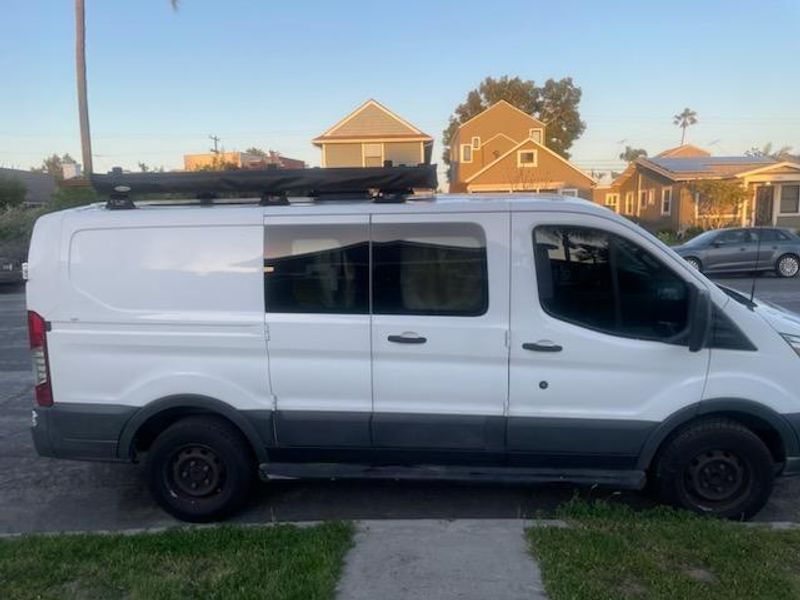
{"points": [[525, 523]]}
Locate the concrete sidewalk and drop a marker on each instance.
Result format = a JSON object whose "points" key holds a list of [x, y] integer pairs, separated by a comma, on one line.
{"points": [[442, 560]]}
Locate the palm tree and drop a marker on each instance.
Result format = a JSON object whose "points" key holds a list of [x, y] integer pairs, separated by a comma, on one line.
{"points": [[683, 120], [80, 67]]}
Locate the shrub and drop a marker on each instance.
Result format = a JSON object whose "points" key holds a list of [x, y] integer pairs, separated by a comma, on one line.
{"points": [[16, 225], [668, 236], [70, 197], [12, 192], [692, 232]]}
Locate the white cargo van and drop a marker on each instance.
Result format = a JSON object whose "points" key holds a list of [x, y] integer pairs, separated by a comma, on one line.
{"points": [[516, 338]]}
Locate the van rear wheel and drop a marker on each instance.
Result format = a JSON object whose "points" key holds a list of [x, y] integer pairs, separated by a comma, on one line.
{"points": [[716, 467], [200, 469]]}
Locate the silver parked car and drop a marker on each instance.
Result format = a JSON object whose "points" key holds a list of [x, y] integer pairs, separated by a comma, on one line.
{"points": [[732, 250]]}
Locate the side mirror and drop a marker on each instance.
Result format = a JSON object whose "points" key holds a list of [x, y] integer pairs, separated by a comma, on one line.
{"points": [[700, 319], [717, 244]]}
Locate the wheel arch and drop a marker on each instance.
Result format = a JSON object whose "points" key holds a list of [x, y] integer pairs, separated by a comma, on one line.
{"points": [[773, 429], [147, 423]]}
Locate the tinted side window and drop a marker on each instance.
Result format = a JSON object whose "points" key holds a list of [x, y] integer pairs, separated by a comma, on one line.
{"points": [[316, 269], [736, 236], [772, 235], [429, 269], [601, 281]]}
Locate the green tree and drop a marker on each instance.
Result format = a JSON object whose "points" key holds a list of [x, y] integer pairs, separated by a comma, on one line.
{"points": [[54, 165], [767, 151], [12, 192], [256, 152], [630, 154], [555, 103], [719, 202], [684, 120]]}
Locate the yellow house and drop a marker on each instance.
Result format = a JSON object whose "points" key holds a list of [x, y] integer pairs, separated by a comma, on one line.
{"points": [[502, 149], [370, 136]]}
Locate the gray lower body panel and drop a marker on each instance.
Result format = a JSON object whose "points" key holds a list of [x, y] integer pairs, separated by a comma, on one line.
{"points": [[80, 431]]}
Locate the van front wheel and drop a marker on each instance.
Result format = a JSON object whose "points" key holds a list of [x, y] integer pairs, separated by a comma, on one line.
{"points": [[716, 467], [200, 469]]}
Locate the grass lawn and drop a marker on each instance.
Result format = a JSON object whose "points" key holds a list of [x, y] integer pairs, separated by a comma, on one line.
{"points": [[611, 551], [226, 562]]}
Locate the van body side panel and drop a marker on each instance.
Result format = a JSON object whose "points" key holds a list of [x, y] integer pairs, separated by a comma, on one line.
{"points": [[150, 311]]}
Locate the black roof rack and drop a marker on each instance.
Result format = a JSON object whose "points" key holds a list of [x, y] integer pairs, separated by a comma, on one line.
{"points": [[272, 186]]}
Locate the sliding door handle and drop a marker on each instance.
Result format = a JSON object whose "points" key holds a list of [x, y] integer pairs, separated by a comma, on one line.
{"points": [[407, 339], [542, 347]]}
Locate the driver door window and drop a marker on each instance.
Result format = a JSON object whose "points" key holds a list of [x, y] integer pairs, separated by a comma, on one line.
{"points": [[604, 282]]}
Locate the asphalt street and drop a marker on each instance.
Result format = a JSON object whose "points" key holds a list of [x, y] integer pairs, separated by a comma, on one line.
{"points": [[40, 494]]}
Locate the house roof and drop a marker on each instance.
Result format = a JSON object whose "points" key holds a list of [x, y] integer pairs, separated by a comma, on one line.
{"points": [[684, 150], [504, 104], [536, 145], [372, 120], [783, 165], [697, 167]]}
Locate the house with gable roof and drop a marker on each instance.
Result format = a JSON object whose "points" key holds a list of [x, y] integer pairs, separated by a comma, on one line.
{"points": [[658, 191], [372, 135], [502, 149]]}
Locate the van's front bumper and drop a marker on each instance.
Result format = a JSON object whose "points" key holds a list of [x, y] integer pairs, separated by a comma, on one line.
{"points": [[79, 431]]}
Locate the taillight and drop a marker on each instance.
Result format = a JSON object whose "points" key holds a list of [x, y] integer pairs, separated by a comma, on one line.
{"points": [[37, 334]]}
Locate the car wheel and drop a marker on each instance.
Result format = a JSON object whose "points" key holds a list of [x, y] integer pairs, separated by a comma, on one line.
{"points": [[716, 467], [200, 469], [788, 265], [695, 263]]}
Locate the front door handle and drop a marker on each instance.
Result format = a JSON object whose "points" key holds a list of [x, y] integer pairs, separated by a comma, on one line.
{"points": [[407, 339], [542, 347]]}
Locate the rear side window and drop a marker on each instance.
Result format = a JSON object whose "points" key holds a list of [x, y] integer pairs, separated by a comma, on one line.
{"points": [[773, 235], [601, 281], [429, 269], [316, 269]]}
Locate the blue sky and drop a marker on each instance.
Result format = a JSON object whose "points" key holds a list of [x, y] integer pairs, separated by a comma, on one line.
{"points": [[275, 74]]}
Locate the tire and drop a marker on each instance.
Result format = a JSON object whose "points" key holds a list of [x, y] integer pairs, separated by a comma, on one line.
{"points": [[716, 467], [787, 266], [695, 263], [200, 469]]}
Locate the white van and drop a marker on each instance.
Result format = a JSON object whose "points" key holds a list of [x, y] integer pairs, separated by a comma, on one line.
{"points": [[525, 338]]}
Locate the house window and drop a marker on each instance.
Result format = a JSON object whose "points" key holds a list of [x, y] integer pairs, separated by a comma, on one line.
{"points": [[642, 200], [466, 153], [612, 201], [651, 197], [476, 142], [666, 201], [373, 155], [570, 192], [535, 135], [526, 158], [630, 203], [790, 199]]}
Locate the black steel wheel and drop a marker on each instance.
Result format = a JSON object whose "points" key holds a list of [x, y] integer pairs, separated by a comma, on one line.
{"points": [[716, 467], [200, 469]]}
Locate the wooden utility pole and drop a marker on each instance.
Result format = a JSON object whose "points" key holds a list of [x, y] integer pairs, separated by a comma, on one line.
{"points": [[83, 106]]}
